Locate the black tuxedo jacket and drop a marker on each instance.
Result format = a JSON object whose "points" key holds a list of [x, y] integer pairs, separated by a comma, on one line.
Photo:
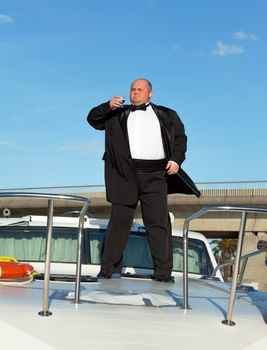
{"points": [[119, 172]]}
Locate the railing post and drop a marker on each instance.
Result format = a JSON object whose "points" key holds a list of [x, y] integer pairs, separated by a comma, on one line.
{"points": [[79, 254], [228, 321], [242, 271], [45, 311], [185, 266], [51, 197]]}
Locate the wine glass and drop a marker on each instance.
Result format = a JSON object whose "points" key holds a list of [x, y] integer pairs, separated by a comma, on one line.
{"points": [[123, 99]]}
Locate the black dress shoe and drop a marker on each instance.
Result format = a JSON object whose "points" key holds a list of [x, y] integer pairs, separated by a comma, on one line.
{"points": [[165, 278], [104, 274]]}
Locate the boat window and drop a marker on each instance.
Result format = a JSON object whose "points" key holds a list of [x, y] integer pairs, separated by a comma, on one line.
{"points": [[198, 257], [136, 254], [28, 244]]}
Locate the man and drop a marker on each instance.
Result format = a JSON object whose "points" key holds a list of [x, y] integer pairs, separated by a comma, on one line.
{"points": [[145, 146]]}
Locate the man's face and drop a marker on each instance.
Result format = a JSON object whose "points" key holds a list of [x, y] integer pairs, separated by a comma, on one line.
{"points": [[140, 92]]}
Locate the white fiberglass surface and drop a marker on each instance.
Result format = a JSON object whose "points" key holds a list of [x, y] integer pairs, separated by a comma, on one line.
{"points": [[103, 324]]}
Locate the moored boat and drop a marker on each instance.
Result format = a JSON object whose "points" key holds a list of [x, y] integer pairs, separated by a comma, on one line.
{"points": [[131, 310]]}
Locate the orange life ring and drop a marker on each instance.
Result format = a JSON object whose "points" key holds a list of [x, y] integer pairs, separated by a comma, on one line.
{"points": [[13, 270]]}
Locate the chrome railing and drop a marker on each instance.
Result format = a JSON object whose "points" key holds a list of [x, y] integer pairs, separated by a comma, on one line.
{"points": [[51, 198], [232, 262], [244, 211]]}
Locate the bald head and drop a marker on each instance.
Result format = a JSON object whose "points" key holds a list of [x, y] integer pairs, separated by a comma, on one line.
{"points": [[141, 91]]}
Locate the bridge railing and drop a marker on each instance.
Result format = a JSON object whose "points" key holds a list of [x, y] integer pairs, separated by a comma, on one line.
{"points": [[236, 189], [208, 189]]}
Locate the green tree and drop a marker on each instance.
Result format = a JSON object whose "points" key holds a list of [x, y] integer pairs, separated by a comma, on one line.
{"points": [[224, 250]]}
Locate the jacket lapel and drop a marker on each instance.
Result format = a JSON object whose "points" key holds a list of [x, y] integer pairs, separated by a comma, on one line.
{"points": [[161, 114], [165, 126], [123, 122]]}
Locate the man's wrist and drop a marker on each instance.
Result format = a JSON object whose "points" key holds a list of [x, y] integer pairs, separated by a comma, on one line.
{"points": [[172, 161]]}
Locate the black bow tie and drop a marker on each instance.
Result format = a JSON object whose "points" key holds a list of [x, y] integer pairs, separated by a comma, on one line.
{"points": [[142, 107]]}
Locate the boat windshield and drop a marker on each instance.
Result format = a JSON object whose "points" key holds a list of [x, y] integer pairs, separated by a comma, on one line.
{"points": [[28, 244]]}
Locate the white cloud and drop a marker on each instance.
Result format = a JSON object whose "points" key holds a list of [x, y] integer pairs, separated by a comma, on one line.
{"points": [[244, 36], [225, 49], [47, 109], [91, 148], [169, 49], [151, 4], [6, 19], [176, 48], [6, 143]]}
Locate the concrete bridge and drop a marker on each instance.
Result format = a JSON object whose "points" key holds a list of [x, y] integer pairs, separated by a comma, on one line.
{"points": [[212, 225]]}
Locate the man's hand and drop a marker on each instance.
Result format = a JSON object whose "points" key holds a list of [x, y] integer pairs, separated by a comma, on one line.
{"points": [[116, 102], [172, 168]]}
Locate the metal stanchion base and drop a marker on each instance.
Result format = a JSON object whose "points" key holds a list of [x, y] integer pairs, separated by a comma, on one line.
{"points": [[228, 323], [76, 303], [44, 313]]}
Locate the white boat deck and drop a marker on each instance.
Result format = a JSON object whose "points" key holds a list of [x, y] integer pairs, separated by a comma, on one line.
{"points": [[130, 314]]}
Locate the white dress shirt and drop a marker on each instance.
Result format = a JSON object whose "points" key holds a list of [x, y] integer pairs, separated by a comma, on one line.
{"points": [[145, 135]]}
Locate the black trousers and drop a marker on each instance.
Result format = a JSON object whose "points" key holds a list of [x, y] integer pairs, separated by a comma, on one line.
{"points": [[152, 189]]}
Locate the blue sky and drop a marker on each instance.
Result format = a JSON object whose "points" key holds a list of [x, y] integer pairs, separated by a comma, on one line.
{"points": [[59, 58]]}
